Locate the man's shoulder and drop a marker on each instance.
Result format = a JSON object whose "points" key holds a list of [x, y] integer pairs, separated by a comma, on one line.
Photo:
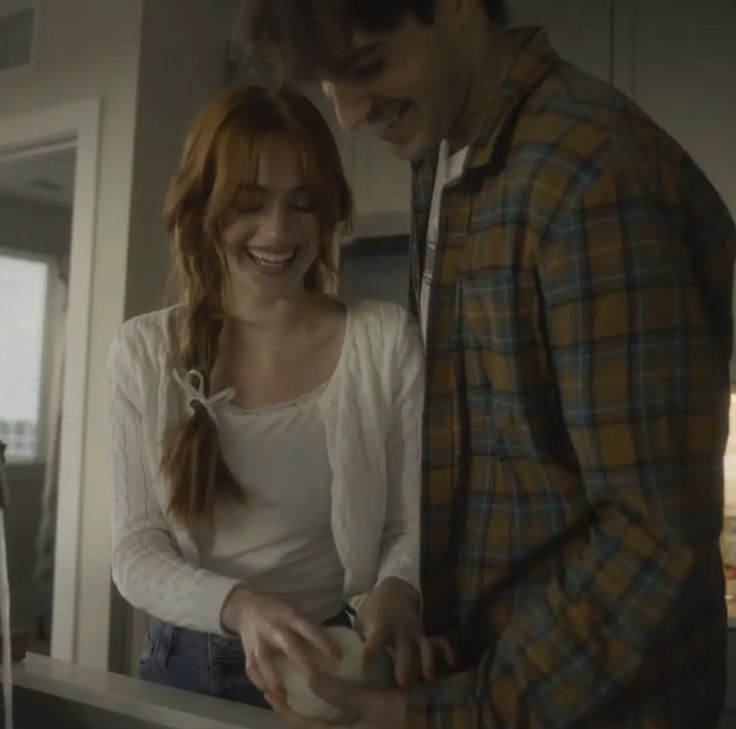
{"points": [[577, 125]]}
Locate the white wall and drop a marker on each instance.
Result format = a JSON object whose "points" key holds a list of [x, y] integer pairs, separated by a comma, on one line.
{"points": [[30, 226], [579, 30], [183, 63], [683, 60]]}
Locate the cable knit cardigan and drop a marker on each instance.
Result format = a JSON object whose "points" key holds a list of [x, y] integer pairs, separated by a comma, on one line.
{"points": [[372, 417]]}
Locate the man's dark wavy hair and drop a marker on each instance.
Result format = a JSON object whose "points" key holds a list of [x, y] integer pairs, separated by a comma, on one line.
{"points": [[297, 33]]}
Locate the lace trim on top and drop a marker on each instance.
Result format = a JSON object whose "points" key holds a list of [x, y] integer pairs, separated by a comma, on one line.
{"points": [[278, 407]]}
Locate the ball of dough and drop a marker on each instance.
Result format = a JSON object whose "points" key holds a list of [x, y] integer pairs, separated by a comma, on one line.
{"points": [[376, 676]]}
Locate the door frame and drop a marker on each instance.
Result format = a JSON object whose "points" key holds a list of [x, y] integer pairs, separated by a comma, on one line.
{"points": [[74, 125]]}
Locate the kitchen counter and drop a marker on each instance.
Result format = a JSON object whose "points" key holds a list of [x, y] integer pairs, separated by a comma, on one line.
{"points": [[66, 696]]}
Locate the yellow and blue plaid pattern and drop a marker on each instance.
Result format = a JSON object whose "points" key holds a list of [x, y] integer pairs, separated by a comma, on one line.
{"points": [[576, 415]]}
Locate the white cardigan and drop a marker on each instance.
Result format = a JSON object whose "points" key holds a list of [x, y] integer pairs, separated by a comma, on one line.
{"points": [[372, 422]]}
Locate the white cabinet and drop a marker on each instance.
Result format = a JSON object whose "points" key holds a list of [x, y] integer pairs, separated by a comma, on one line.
{"points": [[579, 30], [677, 59], [380, 182], [382, 187]]}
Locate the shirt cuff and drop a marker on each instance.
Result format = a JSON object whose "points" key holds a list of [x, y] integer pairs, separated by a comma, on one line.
{"points": [[448, 703], [217, 589], [405, 568]]}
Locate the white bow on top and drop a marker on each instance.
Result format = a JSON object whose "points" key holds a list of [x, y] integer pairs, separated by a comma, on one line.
{"points": [[193, 385]]}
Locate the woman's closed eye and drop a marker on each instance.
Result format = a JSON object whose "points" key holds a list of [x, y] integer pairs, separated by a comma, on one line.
{"points": [[249, 203], [302, 203]]}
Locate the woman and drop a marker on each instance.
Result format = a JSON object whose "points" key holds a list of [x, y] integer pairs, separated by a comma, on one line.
{"points": [[265, 436]]}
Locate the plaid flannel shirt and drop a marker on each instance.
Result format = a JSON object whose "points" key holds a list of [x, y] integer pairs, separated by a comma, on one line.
{"points": [[579, 334]]}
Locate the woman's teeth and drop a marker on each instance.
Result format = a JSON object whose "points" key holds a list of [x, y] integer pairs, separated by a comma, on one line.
{"points": [[270, 260]]}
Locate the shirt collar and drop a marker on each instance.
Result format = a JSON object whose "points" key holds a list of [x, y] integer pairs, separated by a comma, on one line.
{"points": [[533, 64]]}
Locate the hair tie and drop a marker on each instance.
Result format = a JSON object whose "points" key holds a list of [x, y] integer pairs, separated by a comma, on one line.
{"points": [[193, 385]]}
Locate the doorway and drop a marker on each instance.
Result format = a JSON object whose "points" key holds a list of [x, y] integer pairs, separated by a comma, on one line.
{"points": [[36, 202], [48, 184]]}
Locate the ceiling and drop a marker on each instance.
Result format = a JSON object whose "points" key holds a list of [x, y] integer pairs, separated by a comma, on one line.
{"points": [[47, 178]]}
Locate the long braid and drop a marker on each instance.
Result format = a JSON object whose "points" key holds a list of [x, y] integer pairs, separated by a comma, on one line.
{"points": [[192, 457]]}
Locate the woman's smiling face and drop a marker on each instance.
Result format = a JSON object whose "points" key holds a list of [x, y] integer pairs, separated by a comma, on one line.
{"points": [[271, 228]]}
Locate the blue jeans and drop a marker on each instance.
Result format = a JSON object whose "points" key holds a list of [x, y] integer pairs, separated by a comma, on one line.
{"points": [[202, 662]]}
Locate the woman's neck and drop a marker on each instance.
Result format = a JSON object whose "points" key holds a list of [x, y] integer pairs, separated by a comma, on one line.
{"points": [[265, 329], [285, 347]]}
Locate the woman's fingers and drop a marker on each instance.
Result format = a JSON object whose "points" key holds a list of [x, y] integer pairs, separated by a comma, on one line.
{"points": [[297, 650], [315, 635], [255, 675], [427, 657], [415, 655], [406, 660], [262, 672], [442, 646], [374, 639]]}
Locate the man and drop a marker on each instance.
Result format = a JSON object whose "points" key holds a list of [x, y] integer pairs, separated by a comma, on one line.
{"points": [[572, 272]]}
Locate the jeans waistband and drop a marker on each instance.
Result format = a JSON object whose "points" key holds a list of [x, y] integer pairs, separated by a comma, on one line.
{"points": [[168, 634]]}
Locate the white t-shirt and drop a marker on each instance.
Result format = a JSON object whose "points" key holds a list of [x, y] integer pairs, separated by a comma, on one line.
{"points": [[280, 542], [449, 169]]}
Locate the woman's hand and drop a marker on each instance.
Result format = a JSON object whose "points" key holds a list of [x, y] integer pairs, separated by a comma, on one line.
{"points": [[268, 627], [390, 617]]}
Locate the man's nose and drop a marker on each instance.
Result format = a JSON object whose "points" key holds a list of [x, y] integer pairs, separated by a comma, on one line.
{"points": [[351, 106]]}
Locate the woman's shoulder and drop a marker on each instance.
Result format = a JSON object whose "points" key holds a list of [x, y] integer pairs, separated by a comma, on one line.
{"points": [[384, 333], [145, 337], [152, 327], [380, 319]]}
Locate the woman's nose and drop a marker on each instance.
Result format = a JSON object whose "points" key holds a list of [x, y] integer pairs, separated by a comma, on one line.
{"points": [[276, 223]]}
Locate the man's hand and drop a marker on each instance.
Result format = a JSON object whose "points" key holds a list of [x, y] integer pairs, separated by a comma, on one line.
{"points": [[376, 709]]}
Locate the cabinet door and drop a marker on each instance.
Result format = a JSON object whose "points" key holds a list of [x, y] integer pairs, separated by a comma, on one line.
{"points": [[381, 183], [382, 187], [580, 30], [677, 58]]}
